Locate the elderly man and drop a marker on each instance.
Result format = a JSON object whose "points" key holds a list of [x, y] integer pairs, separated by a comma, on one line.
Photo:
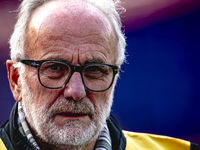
{"points": [[65, 59]]}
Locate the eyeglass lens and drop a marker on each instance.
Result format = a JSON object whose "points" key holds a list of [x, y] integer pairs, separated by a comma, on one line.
{"points": [[95, 77]]}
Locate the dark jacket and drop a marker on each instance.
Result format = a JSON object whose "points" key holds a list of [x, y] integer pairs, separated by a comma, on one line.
{"points": [[12, 139]]}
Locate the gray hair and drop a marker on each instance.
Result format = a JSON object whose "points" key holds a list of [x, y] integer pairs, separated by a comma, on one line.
{"points": [[110, 8]]}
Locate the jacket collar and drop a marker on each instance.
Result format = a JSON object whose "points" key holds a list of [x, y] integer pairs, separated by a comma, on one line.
{"points": [[17, 139], [20, 142], [117, 137]]}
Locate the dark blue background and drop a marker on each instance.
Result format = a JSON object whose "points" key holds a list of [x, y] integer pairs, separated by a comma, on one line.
{"points": [[159, 88]]}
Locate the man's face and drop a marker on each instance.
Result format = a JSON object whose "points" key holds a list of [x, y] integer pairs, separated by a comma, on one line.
{"points": [[77, 34]]}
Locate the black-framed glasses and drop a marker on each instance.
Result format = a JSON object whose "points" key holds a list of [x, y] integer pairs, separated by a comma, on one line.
{"points": [[55, 74]]}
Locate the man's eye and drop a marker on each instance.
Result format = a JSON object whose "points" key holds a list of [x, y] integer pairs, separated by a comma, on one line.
{"points": [[92, 69], [100, 70], [96, 69], [55, 67]]}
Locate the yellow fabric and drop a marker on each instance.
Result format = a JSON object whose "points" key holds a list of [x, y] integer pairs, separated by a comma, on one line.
{"points": [[142, 141], [2, 146]]}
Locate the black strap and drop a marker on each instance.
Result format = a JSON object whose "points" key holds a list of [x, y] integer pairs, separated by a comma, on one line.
{"points": [[6, 140], [117, 137], [194, 146]]}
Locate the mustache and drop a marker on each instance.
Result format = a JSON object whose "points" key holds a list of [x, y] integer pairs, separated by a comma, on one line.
{"points": [[78, 107]]}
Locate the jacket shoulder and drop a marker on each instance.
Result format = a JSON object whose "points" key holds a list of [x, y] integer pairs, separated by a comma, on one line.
{"points": [[138, 141]]}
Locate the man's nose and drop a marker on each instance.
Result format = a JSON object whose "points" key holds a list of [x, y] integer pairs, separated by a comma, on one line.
{"points": [[75, 89]]}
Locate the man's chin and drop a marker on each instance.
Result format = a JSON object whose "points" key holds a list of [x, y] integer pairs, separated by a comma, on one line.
{"points": [[70, 132]]}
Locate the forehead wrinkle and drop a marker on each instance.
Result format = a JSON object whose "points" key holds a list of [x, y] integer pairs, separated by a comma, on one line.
{"points": [[90, 38], [55, 52], [67, 40], [96, 38], [93, 57], [94, 60]]}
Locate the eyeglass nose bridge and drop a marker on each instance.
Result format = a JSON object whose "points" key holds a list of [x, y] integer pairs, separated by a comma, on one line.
{"points": [[75, 69]]}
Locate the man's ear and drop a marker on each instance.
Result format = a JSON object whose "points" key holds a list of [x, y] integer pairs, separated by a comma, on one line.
{"points": [[14, 80]]}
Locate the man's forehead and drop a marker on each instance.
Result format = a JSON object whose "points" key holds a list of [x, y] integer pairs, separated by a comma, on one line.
{"points": [[62, 13], [71, 27]]}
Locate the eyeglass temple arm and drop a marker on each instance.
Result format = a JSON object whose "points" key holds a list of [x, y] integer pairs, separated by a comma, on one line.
{"points": [[30, 63]]}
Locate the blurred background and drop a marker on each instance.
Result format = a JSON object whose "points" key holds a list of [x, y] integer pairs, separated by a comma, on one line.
{"points": [[159, 88]]}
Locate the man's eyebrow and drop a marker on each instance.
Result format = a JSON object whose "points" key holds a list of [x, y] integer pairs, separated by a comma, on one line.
{"points": [[90, 61], [57, 59], [95, 60]]}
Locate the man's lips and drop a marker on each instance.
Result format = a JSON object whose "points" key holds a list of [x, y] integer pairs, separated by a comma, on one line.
{"points": [[65, 117], [71, 114]]}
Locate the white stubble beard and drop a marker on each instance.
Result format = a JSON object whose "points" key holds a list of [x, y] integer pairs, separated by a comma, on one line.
{"points": [[73, 134]]}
